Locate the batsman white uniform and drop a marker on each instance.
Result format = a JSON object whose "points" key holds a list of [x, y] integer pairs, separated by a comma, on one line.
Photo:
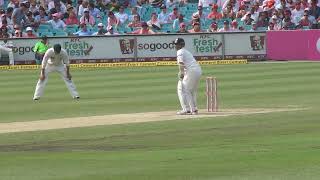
{"points": [[55, 62], [187, 87]]}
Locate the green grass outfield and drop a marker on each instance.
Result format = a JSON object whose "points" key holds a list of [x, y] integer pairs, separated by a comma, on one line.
{"points": [[274, 146]]}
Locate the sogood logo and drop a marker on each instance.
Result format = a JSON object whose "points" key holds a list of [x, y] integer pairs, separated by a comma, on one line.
{"points": [[22, 50], [206, 44], [76, 47], [156, 46], [257, 42], [318, 45], [126, 46]]}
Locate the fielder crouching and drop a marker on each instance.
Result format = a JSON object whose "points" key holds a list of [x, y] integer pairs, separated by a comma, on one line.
{"points": [[55, 59], [189, 78]]}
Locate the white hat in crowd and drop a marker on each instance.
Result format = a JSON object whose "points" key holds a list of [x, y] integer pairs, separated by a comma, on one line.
{"points": [[29, 29]]}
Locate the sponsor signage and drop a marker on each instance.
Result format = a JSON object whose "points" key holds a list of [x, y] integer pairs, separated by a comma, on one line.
{"points": [[160, 47], [293, 45], [245, 46]]}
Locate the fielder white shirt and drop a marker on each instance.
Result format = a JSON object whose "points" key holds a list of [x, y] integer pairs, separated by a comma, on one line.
{"points": [[51, 58], [185, 57]]}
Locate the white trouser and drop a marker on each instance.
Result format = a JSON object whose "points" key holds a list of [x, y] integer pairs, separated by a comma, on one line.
{"points": [[187, 89], [10, 53], [62, 71]]}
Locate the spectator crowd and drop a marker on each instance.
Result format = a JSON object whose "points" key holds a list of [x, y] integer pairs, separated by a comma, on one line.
{"points": [[35, 18]]}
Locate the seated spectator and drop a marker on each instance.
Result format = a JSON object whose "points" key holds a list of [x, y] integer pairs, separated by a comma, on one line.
{"points": [[242, 11], [276, 24], [122, 16], [30, 33], [314, 9], [15, 27], [214, 15], [34, 8], [233, 3], [183, 3], [3, 18], [102, 5], [196, 28], [173, 15], [111, 31], [196, 19], [182, 28], [144, 29], [4, 32], [263, 20], [69, 9], [305, 22], [83, 31], [247, 20], [226, 27], [154, 22], [297, 13], [56, 22], [72, 19], [114, 5], [164, 16], [271, 26], [42, 16], [290, 4], [234, 26], [30, 21], [101, 31], [95, 12], [254, 27], [178, 21], [213, 27], [311, 17], [82, 6], [205, 3], [134, 11], [9, 18], [228, 12], [202, 15], [87, 18], [305, 4], [172, 3], [112, 20], [136, 23], [17, 34], [13, 4], [57, 5]]}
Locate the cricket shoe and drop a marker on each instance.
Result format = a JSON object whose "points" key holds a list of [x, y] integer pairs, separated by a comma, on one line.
{"points": [[195, 112], [76, 97], [182, 112], [36, 99]]}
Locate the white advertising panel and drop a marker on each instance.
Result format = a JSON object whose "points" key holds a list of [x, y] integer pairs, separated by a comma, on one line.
{"points": [[105, 49], [245, 45], [203, 46], [160, 47]]}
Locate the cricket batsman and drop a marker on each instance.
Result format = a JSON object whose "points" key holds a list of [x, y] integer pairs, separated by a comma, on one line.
{"points": [[55, 59], [189, 78]]}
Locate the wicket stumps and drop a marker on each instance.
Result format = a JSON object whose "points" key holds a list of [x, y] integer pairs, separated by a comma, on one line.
{"points": [[212, 99]]}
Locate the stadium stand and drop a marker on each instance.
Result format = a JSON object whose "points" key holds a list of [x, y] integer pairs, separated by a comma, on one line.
{"points": [[240, 15]]}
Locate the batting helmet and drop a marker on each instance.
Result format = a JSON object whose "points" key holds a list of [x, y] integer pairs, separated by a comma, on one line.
{"points": [[179, 41]]}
